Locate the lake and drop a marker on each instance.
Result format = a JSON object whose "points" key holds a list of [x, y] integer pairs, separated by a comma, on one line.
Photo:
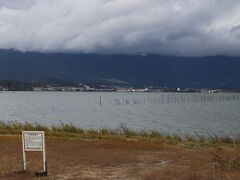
{"points": [[181, 113]]}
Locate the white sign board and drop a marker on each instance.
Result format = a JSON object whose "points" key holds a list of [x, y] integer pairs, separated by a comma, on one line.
{"points": [[34, 141]]}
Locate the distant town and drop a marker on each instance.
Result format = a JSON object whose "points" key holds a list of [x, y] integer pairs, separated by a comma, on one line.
{"points": [[79, 87], [104, 88]]}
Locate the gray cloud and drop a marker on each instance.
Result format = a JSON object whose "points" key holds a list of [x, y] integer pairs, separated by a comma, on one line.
{"points": [[168, 27]]}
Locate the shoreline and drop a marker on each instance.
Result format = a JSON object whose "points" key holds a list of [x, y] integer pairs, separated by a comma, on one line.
{"points": [[76, 153], [72, 131], [127, 158]]}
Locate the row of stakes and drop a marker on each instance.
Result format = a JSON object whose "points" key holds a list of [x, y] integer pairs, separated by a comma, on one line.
{"points": [[173, 99]]}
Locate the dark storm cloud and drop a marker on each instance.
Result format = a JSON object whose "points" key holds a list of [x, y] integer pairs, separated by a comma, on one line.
{"points": [[172, 27]]}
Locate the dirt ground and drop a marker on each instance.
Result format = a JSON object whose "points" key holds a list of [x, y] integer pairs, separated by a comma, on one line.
{"points": [[120, 159]]}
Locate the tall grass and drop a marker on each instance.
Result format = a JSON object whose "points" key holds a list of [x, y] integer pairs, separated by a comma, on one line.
{"points": [[70, 130]]}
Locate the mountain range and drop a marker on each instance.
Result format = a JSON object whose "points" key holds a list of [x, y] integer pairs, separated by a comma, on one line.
{"points": [[139, 70]]}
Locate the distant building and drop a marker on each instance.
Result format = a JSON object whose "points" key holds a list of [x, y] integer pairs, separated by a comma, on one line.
{"points": [[87, 88]]}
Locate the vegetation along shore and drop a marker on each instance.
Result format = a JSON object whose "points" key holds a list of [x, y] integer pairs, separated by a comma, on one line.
{"points": [[77, 153]]}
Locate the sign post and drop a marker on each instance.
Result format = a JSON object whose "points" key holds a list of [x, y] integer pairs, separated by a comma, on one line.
{"points": [[34, 141]]}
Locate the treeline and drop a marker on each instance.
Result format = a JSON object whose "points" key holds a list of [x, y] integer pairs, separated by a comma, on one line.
{"points": [[11, 85], [16, 86]]}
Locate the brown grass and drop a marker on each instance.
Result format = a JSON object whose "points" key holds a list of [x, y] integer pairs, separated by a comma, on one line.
{"points": [[129, 158]]}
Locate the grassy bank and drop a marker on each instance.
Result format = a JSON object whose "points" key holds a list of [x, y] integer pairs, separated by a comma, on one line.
{"points": [[77, 153], [118, 159], [69, 130]]}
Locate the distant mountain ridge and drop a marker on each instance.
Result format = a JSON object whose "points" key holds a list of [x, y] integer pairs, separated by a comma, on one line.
{"points": [[126, 70]]}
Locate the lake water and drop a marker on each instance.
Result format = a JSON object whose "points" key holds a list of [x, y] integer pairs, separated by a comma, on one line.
{"points": [[182, 113]]}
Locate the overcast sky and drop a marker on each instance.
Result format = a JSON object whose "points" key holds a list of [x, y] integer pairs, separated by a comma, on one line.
{"points": [[167, 27]]}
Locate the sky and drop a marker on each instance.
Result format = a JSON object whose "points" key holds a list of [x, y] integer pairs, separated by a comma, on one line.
{"points": [[165, 27]]}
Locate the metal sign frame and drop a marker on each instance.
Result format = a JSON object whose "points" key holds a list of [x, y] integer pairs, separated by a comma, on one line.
{"points": [[38, 148]]}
